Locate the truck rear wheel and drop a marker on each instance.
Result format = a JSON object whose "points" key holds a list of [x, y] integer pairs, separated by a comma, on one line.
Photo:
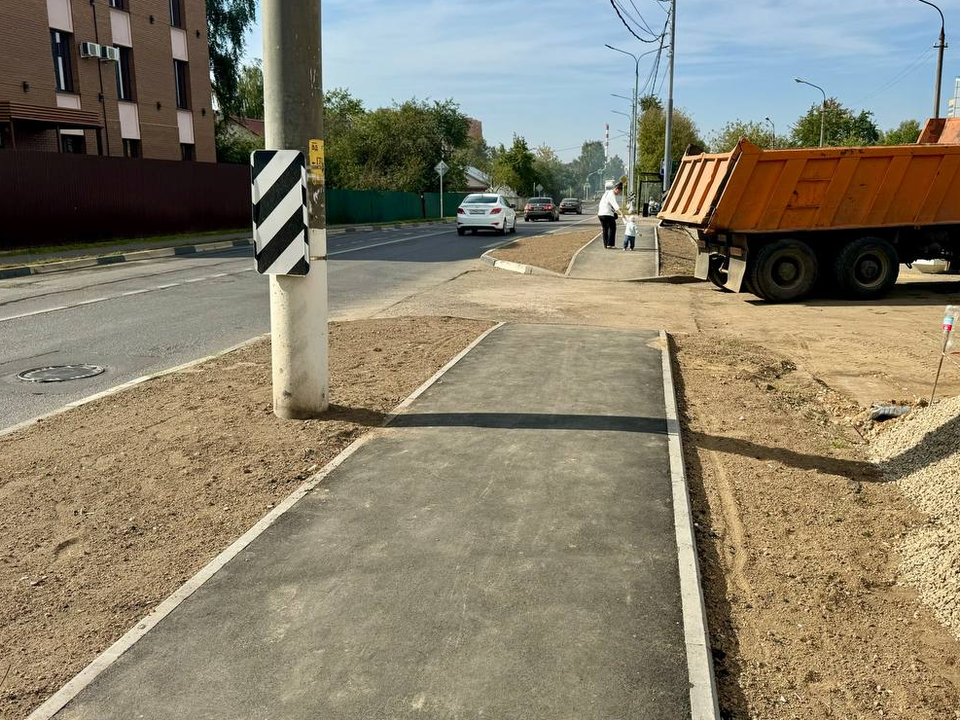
{"points": [[866, 268], [717, 274], [784, 270]]}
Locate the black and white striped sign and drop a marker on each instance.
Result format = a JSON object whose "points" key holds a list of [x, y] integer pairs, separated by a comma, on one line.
{"points": [[280, 238]]}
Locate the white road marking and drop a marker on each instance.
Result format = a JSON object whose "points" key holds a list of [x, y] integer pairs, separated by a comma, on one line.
{"points": [[128, 293], [168, 286]]}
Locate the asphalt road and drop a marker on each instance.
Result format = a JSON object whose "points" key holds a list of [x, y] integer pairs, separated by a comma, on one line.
{"points": [[139, 318]]}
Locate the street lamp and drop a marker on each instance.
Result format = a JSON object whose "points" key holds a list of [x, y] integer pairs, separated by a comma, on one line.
{"points": [[773, 129], [823, 110], [941, 45], [633, 111]]}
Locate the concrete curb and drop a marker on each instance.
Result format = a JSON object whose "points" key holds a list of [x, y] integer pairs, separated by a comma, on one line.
{"points": [[68, 692], [573, 260], [126, 386], [134, 255], [84, 263], [704, 704], [656, 247]]}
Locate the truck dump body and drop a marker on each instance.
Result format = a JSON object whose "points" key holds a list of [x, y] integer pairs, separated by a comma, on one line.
{"points": [[774, 191], [779, 221]]}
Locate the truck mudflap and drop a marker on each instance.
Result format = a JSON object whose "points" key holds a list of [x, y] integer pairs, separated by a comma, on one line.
{"points": [[722, 261]]}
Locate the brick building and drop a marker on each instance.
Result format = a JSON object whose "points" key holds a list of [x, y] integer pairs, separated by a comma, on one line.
{"points": [[110, 77]]}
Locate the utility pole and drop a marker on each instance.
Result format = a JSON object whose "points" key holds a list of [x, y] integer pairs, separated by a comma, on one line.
{"points": [[941, 45], [293, 117], [773, 129], [668, 133]]}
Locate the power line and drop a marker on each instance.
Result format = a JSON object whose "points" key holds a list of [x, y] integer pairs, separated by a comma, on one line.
{"points": [[616, 9], [899, 77]]}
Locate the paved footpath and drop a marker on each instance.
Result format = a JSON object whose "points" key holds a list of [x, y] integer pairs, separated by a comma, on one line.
{"points": [[506, 549], [597, 263]]}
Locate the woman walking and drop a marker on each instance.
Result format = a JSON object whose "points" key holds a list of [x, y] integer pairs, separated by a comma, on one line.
{"points": [[608, 212]]}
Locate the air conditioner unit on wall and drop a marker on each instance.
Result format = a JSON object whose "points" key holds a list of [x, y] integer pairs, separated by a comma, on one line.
{"points": [[90, 50], [108, 52]]}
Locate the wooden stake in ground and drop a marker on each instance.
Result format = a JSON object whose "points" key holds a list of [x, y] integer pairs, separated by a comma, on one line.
{"points": [[949, 317]]}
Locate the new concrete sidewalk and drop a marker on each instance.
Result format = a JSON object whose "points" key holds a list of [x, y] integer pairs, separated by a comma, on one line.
{"points": [[598, 263], [505, 549]]}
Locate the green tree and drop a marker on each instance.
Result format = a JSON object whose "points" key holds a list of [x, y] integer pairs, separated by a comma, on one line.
{"points": [[250, 91], [729, 135], [614, 168], [476, 153], [842, 127], [906, 133], [395, 148], [651, 133], [227, 25], [514, 167]]}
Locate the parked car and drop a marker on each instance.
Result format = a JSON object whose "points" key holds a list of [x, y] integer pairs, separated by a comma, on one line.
{"points": [[486, 211], [571, 205], [540, 208]]}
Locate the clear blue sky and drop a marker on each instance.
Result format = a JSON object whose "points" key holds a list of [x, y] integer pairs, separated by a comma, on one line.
{"points": [[541, 69]]}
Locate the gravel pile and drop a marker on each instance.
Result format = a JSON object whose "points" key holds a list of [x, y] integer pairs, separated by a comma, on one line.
{"points": [[921, 453]]}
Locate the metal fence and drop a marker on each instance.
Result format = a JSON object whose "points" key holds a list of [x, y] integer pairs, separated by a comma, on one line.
{"points": [[49, 199]]}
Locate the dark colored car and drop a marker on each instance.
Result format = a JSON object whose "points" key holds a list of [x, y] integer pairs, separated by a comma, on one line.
{"points": [[571, 205], [540, 208]]}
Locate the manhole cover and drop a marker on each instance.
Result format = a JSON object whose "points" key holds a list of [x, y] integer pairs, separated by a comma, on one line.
{"points": [[60, 373]]}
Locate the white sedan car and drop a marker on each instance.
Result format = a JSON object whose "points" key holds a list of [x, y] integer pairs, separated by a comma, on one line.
{"points": [[486, 211]]}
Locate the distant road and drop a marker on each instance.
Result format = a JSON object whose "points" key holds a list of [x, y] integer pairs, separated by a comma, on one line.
{"points": [[142, 317]]}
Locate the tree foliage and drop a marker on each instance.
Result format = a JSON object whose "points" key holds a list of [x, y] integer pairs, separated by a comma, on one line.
{"points": [[394, 148], [514, 166], [842, 127], [729, 135], [227, 25], [906, 133], [651, 134], [250, 91]]}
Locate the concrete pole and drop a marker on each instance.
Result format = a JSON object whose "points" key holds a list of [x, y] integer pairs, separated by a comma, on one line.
{"points": [[293, 115], [634, 140], [936, 95], [668, 133]]}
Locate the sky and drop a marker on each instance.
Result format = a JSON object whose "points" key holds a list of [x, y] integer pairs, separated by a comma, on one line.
{"points": [[541, 70]]}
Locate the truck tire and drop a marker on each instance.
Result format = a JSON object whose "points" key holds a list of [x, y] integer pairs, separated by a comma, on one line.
{"points": [[866, 268], [783, 271], [716, 274]]}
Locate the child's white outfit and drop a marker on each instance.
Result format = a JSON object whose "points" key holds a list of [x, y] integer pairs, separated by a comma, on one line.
{"points": [[630, 234]]}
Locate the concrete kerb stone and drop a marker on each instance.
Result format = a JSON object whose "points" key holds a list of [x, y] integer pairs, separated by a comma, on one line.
{"points": [[656, 248], [68, 692], [573, 260], [704, 703]]}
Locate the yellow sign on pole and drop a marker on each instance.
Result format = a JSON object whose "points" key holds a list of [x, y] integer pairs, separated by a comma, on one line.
{"points": [[316, 161]]}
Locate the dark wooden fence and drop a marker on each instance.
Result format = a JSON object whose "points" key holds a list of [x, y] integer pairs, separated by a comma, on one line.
{"points": [[49, 198]]}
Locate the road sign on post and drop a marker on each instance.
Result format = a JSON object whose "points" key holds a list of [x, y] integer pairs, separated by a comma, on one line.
{"points": [[280, 212], [441, 169], [539, 188]]}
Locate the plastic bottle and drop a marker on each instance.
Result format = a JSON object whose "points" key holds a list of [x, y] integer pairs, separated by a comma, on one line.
{"points": [[950, 318]]}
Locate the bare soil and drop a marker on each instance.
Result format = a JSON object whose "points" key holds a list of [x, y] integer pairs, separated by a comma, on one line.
{"points": [[107, 509], [798, 536], [678, 252], [550, 252]]}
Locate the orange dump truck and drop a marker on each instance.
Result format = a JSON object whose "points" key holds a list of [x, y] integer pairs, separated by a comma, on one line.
{"points": [[779, 223]]}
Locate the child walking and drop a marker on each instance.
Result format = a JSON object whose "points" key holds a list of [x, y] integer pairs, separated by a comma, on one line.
{"points": [[630, 233]]}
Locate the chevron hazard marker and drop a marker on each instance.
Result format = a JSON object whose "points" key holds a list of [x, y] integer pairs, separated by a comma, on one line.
{"points": [[280, 212]]}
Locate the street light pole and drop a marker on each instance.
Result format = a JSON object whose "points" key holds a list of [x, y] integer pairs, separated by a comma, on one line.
{"points": [[633, 116], [940, 45], [773, 129], [823, 109], [293, 117], [668, 129]]}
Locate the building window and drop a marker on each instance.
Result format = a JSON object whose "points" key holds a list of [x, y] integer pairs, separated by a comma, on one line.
{"points": [[118, 4], [73, 144], [131, 148], [125, 85], [62, 68], [176, 13], [187, 152], [181, 77]]}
